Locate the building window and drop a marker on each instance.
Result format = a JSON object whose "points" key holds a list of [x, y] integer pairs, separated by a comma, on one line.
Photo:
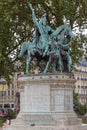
{"points": [[0, 105], [8, 93], [4, 93], [1, 93], [7, 105], [12, 92], [12, 85], [78, 86], [12, 105], [78, 78]]}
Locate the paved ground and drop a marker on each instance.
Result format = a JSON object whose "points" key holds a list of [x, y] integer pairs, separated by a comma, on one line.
{"points": [[83, 128]]}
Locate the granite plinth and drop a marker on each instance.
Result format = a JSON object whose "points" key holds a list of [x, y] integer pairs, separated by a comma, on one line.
{"points": [[46, 103]]}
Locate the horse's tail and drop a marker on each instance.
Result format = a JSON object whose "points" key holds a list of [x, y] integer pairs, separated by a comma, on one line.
{"points": [[23, 49]]}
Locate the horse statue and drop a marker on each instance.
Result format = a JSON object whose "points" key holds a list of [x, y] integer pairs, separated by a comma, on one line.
{"points": [[56, 48], [46, 38], [49, 45]]}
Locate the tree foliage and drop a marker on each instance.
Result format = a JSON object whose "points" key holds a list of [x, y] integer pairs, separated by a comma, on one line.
{"points": [[16, 26], [79, 108]]}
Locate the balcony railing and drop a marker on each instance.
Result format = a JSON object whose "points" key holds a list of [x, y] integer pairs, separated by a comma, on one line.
{"points": [[7, 99]]}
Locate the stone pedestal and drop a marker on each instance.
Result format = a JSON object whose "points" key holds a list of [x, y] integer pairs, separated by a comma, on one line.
{"points": [[46, 103]]}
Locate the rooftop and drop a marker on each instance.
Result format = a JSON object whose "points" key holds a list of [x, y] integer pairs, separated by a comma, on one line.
{"points": [[83, 62]]}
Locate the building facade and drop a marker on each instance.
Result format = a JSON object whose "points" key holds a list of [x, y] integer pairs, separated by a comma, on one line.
{"points": [[81, 81], [7, 97], [10, 94]]}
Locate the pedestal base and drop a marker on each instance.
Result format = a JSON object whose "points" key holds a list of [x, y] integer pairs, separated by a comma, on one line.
{"points": [[46, 104], [27, 127]]}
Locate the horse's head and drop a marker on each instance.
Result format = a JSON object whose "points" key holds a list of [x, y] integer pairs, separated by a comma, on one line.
{"points": [[68, 32]]}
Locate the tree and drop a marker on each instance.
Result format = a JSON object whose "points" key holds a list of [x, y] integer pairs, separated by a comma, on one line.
{"points": [[16, 26], [78, 107]]}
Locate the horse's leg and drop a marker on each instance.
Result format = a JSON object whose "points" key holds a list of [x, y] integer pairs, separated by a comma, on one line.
{"points": [[60, 63], [27, 64], [54, 68], [46, 50], [47, 65], [69, 60], [22, 50]]}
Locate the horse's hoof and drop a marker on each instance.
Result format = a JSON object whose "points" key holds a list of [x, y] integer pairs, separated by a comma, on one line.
{"points": [[27, 73], [44, 72], [55, 72]]}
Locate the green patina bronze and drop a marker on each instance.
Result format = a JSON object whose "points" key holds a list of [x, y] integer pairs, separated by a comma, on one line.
{"points": [[53, 46]]}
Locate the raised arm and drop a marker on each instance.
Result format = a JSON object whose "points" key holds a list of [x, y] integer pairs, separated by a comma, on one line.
{"points": [[33, 15]]}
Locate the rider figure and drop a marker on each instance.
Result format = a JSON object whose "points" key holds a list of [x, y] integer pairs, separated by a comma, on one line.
{"points": [[43, 30]]}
